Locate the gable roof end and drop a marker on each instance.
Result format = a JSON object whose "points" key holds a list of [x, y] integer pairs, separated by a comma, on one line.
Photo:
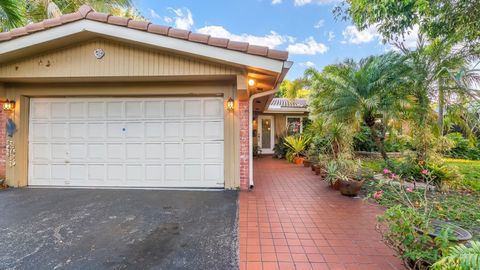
{"points": [[86, 12]]}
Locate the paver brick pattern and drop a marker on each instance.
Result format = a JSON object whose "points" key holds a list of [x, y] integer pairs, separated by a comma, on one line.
{"points": [[292, 220]]}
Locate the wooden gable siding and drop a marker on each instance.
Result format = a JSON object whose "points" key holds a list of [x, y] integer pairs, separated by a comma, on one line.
{"points": [[120, 60]]}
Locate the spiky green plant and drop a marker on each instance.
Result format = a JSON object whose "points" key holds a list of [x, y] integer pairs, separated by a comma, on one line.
{"points": [[297, 144], [460, 257]]}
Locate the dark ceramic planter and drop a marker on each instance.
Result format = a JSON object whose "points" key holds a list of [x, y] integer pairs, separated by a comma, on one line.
{"points": [[350, 188], [335, 185], [458, 233], [318, 170], [307, 163]]}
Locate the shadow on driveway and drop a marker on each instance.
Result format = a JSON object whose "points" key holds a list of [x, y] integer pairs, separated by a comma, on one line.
{"points": [[118, 229]]}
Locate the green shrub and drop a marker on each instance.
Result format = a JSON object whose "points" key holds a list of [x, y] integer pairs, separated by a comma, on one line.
{"points": [[402, 232], [463, 148], [280, 149]]}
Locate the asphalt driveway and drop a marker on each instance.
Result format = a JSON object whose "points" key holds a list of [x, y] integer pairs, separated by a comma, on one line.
{"points": [[118, 229]]}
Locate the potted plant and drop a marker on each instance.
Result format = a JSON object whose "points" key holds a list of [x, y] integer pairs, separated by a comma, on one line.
{"points": [[331, 174], [296, 146], [348, 183], [349, 186]]}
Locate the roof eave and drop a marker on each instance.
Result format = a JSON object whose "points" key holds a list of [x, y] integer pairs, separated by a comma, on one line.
{"points": [[149, 39]]}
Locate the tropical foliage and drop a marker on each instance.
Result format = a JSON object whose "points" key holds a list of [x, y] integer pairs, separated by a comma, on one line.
{"points": [[460, 257], [297, 144], [16, 13]]}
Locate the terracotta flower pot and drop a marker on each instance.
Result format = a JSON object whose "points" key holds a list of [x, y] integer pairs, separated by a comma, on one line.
{"points": [[350, 188], [318, 169], [307, 163], [298, 160], [313, 167]]}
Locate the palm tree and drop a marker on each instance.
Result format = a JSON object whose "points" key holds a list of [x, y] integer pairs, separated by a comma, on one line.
{"points": [[11, 14], [360, 93], [16, 13]]}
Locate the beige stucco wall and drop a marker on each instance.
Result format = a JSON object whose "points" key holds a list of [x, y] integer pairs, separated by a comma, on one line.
{"points": [[125, 70]]}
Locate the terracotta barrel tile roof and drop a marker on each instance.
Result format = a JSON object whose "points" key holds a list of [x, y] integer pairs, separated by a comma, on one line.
{"points": [[286, 103], [86, 12]]}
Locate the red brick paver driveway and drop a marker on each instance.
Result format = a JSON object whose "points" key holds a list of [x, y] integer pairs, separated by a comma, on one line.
{"points": [[292, 220]]}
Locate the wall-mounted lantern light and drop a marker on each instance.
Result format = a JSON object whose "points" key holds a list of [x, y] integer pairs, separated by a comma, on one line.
{"points": [[9, 105], [251, 82], [230, 104]]}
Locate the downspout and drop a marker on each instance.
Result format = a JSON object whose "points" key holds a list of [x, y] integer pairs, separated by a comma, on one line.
{"points": [[286, 67]]}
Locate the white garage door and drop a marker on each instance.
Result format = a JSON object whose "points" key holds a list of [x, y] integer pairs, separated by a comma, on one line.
{"points": [[129, 142]]}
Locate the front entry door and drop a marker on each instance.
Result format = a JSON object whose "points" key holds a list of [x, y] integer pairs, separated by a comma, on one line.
{"points": [[266, 139]]}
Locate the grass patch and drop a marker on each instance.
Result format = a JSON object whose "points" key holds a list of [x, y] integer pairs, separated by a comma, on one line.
{"points": [[470, 170]]}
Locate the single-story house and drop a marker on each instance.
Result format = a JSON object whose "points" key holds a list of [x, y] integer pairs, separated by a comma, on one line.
{"points": [[274, 118], [103, 101]]}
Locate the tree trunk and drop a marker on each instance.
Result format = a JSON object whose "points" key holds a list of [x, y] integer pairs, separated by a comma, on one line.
{"points": [[441, 105], [378, 141]]}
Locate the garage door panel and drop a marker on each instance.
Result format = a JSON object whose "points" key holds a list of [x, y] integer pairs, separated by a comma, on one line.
{"points": [[41, 151], [77, 110], [134, 109], [154, 130], [134, 130], [42, 131], [173, 173], [193, 151], [154, 109], [193, 108], [193, 130], [115, 174], [213, 130], [135, 151], [213, 151], [96, 110], [154, 173], [173, 131], [59, 110], [59, 131], [115, 110], [213, 108], [154, 151], [130, 142], [59, 151], [173, 108], [96, 131], [77, 151], [193, 172], [77, 130], [41, 110], [96, 152], [116, 151]]}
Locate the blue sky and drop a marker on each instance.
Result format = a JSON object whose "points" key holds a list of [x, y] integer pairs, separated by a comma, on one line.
{"points": [[305, 28]]}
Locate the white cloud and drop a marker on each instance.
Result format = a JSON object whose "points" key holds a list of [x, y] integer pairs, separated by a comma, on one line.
{"points": [[300, 3], [167, 19], [331, 36], [310, 47], [274, 2], [183, 18], [319, 24], [352, 35], [410, 40], [154, 14], [307, 64], [271, 40]]}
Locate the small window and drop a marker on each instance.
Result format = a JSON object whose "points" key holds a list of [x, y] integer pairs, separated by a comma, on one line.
{"points": [[294, 125]]}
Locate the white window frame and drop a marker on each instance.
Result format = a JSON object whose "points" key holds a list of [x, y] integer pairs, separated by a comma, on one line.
{"points": [[293, 117]]}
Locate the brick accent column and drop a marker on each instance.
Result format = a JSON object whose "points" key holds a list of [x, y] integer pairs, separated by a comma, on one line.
{"points": [[3, 143], [244, 145]]}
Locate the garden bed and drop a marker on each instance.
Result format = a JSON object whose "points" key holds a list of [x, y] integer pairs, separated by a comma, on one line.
{"points": [[456, 206]]}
